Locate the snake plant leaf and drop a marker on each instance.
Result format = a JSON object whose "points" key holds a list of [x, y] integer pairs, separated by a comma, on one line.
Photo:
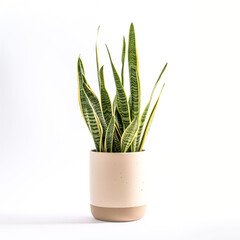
{"points": [[93, 100], [144, 114], [134, 145], [100, 129], [118, 132], [96, 105], [119, 121], [130, 105], [123, 60], [96, 49], [117, 116], [80, 94], [129, 135], [88, 113], [135, 90], [117, 137], [116, 143], [105, 99], [109, 135], [114, 104], [149, 122], [81, 66], [97, 130], [122, 104]]}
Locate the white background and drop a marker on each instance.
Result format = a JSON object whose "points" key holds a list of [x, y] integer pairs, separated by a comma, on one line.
{"points": [[194, 181]]}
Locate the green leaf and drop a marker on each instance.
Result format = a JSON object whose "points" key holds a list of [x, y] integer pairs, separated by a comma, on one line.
{"points": [[98, 72], [119, 121], [130, 105], [129, 135], [81, 67], [117, 116], [135, 89], [96, 106], [116, 143], [149, 122], [80, 89], [105, 99], [83, 73], [123, 59], [100, 130], [87, 111], [122, 104], [118, 132], [109, 135], [144, 114]]}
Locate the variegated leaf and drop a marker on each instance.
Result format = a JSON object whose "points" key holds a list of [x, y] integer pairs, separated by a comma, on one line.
{"points": [[149, 122], [122, 103], [123, 59], [108, 144], [129, 135], [135, 89], [87, 111], [144, 114], [117, 116], [98, 72], [96, 106], [105, 99]]}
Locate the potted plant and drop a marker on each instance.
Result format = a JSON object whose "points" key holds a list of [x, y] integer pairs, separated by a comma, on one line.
{"points": [[117, 165]]}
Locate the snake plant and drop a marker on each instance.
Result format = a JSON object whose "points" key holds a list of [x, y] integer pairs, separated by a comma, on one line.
{"points": [[117, 126]]}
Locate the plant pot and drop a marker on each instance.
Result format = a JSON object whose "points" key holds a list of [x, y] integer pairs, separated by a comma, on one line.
{"points": [[117, 186]]}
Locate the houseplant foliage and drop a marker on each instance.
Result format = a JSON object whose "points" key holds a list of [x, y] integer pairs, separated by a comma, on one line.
{"points": [[118, 125]]}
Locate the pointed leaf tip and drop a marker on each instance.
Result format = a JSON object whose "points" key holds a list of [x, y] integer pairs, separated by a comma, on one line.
{"points": [[98, 30]]}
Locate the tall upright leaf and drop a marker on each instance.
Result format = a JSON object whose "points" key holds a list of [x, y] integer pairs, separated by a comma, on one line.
{"points": [[116, 143], [81, 96], [117, 115], [109, 135], [123, 59], [144, 114], [118, 127], [122, 103], [95, 103], [105, 99], [87, 111], [129, 135], [130, 105], [135, 91], [98, 72], [100, 130], [81, 67], [149, 122]]}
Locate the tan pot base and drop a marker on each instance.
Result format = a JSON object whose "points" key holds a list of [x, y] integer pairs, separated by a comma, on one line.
{"points": [[118, 214]]}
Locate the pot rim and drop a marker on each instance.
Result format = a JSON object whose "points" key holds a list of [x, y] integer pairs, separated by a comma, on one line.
{"points": [[115, 153]]}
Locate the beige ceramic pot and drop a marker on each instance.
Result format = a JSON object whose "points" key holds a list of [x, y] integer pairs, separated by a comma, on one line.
{"points": [[117, 185]]}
